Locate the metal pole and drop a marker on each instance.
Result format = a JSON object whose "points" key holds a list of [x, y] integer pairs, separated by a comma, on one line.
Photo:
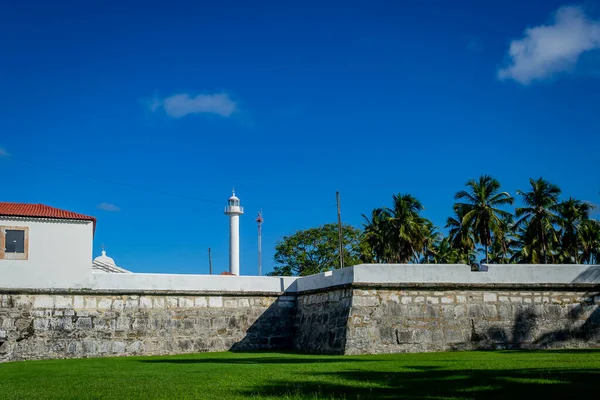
{"points": [[337, 196], [209, 262], [259, 249]]}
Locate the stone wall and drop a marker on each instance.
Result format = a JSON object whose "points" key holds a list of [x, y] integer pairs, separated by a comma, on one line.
{"points": [[388, 320], [34, 326], [343, 319], [321, 321]]}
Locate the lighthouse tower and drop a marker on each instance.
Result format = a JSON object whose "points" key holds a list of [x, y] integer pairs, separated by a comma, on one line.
{"points": [[234, 210]]}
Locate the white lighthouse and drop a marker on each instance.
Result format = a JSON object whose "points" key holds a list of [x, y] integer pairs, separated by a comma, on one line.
{"points": [[234, 210]]}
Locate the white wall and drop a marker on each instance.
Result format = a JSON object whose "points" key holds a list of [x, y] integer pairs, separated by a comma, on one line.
{"points": [[183, 282], [60, 254]]}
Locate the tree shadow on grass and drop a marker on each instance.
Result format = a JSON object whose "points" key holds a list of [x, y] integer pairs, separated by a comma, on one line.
{"points": [[433, 383], [254, 360]]}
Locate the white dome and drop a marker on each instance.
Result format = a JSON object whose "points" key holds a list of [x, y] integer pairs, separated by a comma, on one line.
{"points": [[104, 259]]}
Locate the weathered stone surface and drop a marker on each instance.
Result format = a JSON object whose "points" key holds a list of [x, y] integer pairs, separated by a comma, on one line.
{"points": [[63, 326], [321, 320], [481, 320], [334, 321]]}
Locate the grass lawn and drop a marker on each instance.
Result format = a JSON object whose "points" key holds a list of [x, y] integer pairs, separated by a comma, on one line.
{"points": [[458, 375]]}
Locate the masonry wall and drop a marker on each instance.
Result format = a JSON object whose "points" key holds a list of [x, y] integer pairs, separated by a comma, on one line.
{"points": [[38, 326], [321, 321], [384, 320]]}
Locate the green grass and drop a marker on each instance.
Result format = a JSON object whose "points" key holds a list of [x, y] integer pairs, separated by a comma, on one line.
{"points": [[459, 375]]}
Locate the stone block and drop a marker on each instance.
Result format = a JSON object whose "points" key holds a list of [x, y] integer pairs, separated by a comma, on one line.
{"points": [[230, 303], [118, 305], [105, 303], [172, 302], [41, 324], [215, 301], [460, 298], [159, 302], [43, 301], [78, 303], [63, 302], [22, 301], [433, 300], [419, 299], [186, 302], [122, 324], [490, 297], [145, 302], [246, 303], [200, 302], [516, 299], [132, 303], [89, 303], [84, 323], [365, 301], [406, 300], [447, 300]]}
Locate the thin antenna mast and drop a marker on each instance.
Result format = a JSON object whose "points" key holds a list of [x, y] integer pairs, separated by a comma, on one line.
{"points": [[259, 221], [337, 196]]}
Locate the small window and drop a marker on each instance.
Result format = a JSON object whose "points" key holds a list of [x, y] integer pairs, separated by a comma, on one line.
{"points": [[15, 241]]}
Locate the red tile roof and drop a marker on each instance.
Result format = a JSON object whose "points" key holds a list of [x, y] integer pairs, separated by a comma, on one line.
{"points": [[41, 211], [226, 273]]}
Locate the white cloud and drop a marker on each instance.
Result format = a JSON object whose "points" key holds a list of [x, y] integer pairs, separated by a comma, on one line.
{"points": [[547, 50], [3, 152], [183, 104], [108, 207]]}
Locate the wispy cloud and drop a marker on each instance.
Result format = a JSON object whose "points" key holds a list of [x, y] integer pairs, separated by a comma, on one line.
{"points": [[180, 105], [3, 152], [108, 207], [547, 50]]}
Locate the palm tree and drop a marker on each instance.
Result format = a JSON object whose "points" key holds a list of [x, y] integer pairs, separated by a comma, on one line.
{"points": [[539, 213], [571, 215], [409, 229], [399, 234], [445, 253], [431, 240], [589, 241], [460, 235], [503, 244], [481, 212], [377, 234]]}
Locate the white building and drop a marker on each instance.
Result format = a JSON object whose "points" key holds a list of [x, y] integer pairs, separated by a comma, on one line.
{"points": [[43, 244], [105, 263]]}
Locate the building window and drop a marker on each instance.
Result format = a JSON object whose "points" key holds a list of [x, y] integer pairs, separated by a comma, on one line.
{"points": [[14, 242]]}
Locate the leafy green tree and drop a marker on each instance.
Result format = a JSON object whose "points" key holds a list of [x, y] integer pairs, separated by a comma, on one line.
{"points": [[316, 250], [538, 217], [482, 214]]}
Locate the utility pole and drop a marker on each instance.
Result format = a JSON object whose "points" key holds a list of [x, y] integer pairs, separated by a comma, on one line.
{"points": [[259, 221], [337, 196], [209, 262]]}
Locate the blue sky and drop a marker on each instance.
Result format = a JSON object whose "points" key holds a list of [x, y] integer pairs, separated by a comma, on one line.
{"points": [[288, 102]]}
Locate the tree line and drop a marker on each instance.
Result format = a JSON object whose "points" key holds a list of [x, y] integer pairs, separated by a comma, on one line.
{"points": [[483, 228]]}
